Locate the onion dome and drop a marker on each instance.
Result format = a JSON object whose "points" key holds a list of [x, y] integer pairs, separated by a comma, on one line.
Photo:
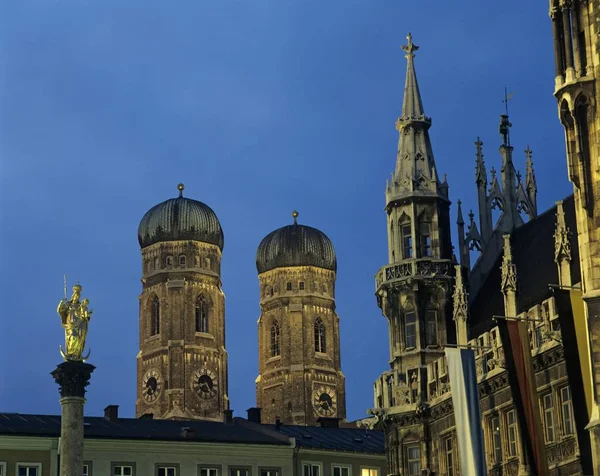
{"points": [[180, 219], [295, 245]]}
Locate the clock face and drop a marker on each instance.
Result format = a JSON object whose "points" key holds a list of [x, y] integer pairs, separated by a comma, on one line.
{"points": [[151, 385], [325, 401], [204, 383]]}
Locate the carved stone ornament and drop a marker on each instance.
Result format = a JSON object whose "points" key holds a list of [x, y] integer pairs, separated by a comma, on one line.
{"points": [[562, 246], [72, 378], [459, 298], [509, 270]]}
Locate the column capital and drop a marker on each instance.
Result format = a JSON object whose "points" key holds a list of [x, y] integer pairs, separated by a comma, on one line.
{"points": [[72, 378]]}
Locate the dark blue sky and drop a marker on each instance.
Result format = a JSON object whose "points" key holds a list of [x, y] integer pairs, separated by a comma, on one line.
{"points": [[259, 107]]}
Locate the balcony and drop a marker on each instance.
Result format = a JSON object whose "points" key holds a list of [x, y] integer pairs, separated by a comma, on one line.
{"points": [[413, 268]]}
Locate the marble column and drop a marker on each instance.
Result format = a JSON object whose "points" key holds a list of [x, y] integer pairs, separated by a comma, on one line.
{"points": [[72, 378]]}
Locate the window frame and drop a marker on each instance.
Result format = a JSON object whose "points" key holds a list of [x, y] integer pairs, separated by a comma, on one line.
{"points": [[428, 313], [2, 468], [312, 465], [211, 467], [370, 469], [512, 426], [548, 411], [449, 438], [169, 261], [201, 314], [155, 316], [407, 447], [159, 466], [115, 464], [301, 286], [335, 466], [269, 470], [569, 405], [288, 286], [407, 241], [425, 240], [37, 466], [231, 468], [275, 334], [320, 336], [90, 466], [496, 450]]}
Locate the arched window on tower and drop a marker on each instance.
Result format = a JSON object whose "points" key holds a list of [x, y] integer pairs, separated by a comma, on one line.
{"points": [[169, 261], [410, 330], [425, 238], [182, 261], [406, 237], [156, 264], [155, 317], [201, 314], [275, 339], [320, 336]]}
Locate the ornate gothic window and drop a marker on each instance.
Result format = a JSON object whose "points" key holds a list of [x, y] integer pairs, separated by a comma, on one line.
{"points": [[406, 236], [182, 260], [425, 238], [410, 330], [155, 317], [431, 327], [413, 460], [201, 315], [169, 261], [275, 351], [319, 336]]}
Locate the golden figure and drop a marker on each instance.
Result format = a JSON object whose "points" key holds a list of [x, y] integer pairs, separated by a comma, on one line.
{"points": [[75, 316]]}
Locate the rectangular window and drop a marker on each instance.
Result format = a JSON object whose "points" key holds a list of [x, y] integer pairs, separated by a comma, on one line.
{"points": [[369, 472], [310, 469], [406, 241], [431, 327], [239, 472], [410, 330], [208, 472], [511, 422], [301, 285], [29, 469], [449, 448], [496, 439], [425, 234], [341, 470], [548, 406], [87, 469], [413, 459], [269, 472], [566, 410], [167, 471], [122, 470], [2, 469], [289, 286]]}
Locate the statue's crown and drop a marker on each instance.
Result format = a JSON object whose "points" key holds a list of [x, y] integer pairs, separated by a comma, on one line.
{"points": [[77, 287]]}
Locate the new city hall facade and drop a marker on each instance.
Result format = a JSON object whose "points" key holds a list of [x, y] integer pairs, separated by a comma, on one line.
{"points": [[537, 267]]}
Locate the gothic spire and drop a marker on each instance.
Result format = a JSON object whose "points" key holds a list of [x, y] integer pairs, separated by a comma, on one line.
{"points": [[480, 171], [530, 183], [412, 107]]}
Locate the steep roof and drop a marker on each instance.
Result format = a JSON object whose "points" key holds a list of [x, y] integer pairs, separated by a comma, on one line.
{"points": [[533, 254], [16, 424]]}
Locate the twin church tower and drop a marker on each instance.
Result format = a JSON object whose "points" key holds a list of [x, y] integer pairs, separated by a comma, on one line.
{"points": [[182, 362]]}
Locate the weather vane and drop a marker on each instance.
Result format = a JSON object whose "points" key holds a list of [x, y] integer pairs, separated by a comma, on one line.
{"points": [[75, 316]]}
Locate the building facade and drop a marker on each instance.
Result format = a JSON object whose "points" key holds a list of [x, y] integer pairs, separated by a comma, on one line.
{"points": [[300, 377], [182, 362], [431, 301]]}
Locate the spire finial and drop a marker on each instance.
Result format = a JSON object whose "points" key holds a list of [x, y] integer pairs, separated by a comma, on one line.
{"points": [[180, 187], [518, 175], [459, 219], [505, 124], [410, 48], [295, 215]]}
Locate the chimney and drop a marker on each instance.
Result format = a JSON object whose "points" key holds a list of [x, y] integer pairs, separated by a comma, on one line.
{"points": [[329, 422], [111, 412], [228, 414], [254, 415], [147, 416]]}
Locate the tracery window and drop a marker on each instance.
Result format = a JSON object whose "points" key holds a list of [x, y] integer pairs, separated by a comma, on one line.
{"points": [[155, 317], [319, 336], [201, 314], [275, 351]]}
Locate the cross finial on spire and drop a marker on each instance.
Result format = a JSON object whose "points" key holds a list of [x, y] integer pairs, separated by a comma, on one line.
{"points": [[410, 48], [478, 145], [493, 172], [518, 175], [528, 152]]}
